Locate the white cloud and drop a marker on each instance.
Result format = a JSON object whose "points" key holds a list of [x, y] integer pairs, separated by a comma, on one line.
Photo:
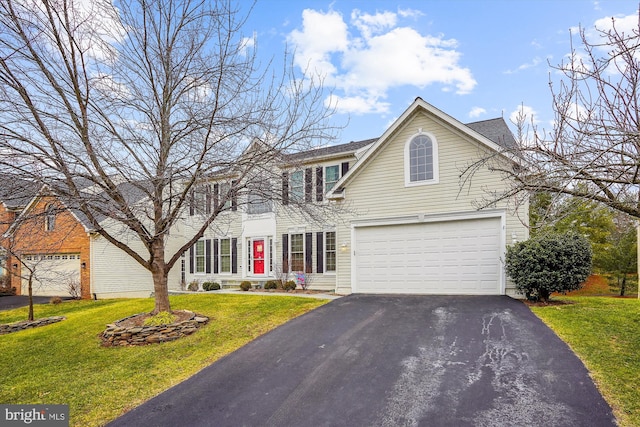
{"points": [[526, 112], [357, 104], [534, 62], [623, 24], [246, 44], [322, 35], [477, 112], [373, 24], [374, 54], [410, 13]]}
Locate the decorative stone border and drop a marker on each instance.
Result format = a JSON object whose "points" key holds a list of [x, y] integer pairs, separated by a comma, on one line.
{"points": [[28, 324], [118, 335]]}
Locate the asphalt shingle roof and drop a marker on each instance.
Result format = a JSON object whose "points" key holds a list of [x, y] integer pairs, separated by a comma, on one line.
{"points": [[496, 130]]}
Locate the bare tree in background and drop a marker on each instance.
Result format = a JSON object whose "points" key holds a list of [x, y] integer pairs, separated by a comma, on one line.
{"points": [[154, 94], [593, 150]]}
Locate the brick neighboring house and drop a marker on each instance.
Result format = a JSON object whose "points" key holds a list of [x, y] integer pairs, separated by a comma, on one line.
{"points": [[15, 194], [48, 241]]}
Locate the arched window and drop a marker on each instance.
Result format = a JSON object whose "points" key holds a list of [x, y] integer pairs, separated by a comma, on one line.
{"points": [[50, 218], [421, 160]]}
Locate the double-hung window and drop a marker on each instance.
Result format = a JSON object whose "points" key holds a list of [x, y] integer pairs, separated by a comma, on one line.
{"points": [[331, 176], [297, 186], [50, 218], [297, 252], [330, 251], [200, 256], [225, 255]]}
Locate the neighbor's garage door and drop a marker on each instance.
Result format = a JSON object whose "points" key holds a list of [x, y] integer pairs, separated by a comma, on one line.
{"points": [[52, 274], [449, 257]]}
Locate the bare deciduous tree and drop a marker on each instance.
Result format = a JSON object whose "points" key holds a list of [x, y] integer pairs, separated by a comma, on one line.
{"points": [[593, 150], [156, 94]]}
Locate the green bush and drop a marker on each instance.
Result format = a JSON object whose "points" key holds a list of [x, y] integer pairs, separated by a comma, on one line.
{"points": [[289, 285], [210, 286], [245, 285], [194, 285], [271, 284], [549, 263], [162, 318]]}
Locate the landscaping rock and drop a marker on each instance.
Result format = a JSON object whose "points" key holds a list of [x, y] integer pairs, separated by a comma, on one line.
{"points": [[28, 324], [117, 335]]}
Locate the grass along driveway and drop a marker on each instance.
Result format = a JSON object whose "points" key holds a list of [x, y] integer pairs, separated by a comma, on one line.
{"points": [[605, 333], [64, 363]]}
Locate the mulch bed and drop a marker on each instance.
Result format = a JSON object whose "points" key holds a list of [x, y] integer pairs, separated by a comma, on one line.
{"points": [[138, 319]]}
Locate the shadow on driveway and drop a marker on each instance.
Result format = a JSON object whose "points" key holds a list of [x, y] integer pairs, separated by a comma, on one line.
{"points": [[368, 360]]}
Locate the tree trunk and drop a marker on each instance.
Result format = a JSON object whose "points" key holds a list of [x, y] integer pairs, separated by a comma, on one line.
{"points": [[623, 287], [30, 297], [160, 275]]}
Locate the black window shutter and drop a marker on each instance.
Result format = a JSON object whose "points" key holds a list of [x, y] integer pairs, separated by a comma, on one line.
{"points": [[207, 256], [308, 185], [208, 200], [319, 184], [234, 255], [319, 252], [285, 253], [345, 168], [192, 207], [216, 268], [234, 197], [216, 195], [285, 188], [308, 253], [191, 260]]}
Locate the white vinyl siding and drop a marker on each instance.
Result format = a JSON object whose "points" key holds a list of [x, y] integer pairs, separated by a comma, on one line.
{"points": [[455, 152]]}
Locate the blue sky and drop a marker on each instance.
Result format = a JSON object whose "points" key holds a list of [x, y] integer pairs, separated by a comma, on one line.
{"points": [[474, 60]]}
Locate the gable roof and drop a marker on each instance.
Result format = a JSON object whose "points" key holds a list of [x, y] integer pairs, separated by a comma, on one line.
{"points": [[16, 193], [493, 134], [496, 130], [329, 151]]}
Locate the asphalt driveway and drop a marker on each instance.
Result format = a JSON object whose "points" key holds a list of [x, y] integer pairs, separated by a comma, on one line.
{"points": [[391, 361], [15, 301]]}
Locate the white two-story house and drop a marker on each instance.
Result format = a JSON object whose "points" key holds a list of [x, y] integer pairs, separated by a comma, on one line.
{"points": [[386, 215]]}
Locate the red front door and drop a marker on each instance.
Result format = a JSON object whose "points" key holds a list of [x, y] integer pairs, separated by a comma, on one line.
{"points": [[258, 257]]}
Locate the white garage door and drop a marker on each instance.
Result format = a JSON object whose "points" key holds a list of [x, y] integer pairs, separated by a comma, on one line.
{"points": [[52, 274], [449, 257]]}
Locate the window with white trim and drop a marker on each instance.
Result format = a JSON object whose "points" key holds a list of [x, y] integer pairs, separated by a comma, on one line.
{"points": [[330, 251], [421, 159], [224, 189], [225, 255], [297, 186], [296, 252], [50, 218], [331, 176], [200, 256]]}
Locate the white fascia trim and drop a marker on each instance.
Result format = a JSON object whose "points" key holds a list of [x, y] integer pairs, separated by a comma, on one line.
{"points": [[425, 218]]}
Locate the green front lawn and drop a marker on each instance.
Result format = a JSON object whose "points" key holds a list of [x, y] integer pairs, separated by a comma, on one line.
{"points": [[64, 363], [605, 333]]}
